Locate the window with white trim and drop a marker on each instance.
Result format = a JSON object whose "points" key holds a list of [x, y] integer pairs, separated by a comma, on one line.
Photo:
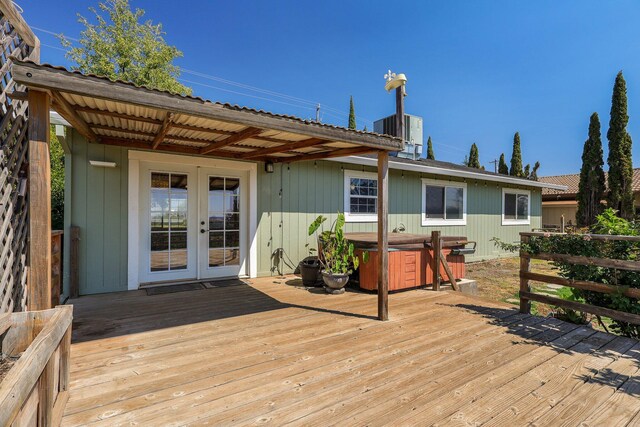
{"points": [[360, 196], [444, 203], [516, 206]]}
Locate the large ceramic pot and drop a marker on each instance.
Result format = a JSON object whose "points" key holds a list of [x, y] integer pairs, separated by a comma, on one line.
{"points": [[334, 283], [310, 271]]}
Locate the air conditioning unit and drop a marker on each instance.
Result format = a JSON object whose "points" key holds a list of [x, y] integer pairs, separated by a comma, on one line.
{"points": [[413, 139]]}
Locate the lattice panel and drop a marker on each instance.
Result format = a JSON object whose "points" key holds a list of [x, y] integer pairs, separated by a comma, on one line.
{"points": [[14, 212]]}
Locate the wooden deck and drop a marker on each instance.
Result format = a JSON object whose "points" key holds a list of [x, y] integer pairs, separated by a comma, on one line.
{"points": [[273, 353]]}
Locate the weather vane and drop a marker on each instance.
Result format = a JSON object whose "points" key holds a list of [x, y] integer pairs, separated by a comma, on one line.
{"points": [[389, 76]]}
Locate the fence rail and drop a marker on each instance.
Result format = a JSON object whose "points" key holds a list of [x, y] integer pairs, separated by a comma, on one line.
{"points": [[526, 275]]}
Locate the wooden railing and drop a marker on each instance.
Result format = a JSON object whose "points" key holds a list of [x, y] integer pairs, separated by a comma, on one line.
{"points": [[56, 266], [36, 388], [526, 296]]}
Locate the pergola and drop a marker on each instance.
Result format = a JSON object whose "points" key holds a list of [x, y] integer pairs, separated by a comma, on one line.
{"points": [[119, 113]]}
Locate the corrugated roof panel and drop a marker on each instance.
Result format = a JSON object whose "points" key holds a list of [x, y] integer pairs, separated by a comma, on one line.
{"points": [[236, 149], [285, 136], [170, 141], [113, 106], [257, 143], [122, 135], [186, 133], [118, 122], [209, 123], [338, 144]]}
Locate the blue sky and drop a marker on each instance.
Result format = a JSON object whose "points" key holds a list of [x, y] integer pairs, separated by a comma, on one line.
{"points": [[477, 70]]}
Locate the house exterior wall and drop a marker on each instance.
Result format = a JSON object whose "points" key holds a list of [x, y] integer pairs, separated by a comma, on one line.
{"points": [[552, 214], [288, 200]]}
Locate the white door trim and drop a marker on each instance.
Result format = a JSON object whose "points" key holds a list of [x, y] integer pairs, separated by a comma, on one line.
{"points": [[135, 157]]}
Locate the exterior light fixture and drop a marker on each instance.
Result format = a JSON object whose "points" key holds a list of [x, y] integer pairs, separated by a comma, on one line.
{"points": [[101, 164], [268, 167]]}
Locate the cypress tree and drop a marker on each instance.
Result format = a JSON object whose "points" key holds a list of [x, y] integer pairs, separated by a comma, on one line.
{"points": [[516, 157], [591, 187], [430, 154], [534, 172], [352, 115], [502, 166], [474, 158], [619, 160], [527, 171]]}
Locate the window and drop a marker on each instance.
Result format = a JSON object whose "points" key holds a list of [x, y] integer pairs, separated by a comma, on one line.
{"points": [[444, 203], [360, 196], [515, 207], [168, 221]]}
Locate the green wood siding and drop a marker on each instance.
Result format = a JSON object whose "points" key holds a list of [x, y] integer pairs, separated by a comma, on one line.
{"points": [[98, 198], [288, 201], [294, 195]]}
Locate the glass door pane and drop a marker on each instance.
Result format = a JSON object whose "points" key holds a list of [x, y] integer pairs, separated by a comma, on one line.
{"points": [[168, 221], [224, 221]]}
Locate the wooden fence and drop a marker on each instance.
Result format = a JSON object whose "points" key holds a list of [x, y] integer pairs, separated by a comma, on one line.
{"points": [[17, 40], [36, 388], [526, 296]]}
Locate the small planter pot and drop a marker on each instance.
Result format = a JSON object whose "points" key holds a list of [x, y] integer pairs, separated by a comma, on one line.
{"points": [[310, 271], [334, 283]]}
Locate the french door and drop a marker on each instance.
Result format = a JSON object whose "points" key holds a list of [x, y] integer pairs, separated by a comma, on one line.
{"points": [[193, 223], [222, 230]]}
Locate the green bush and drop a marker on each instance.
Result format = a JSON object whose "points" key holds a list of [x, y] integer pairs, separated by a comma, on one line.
{"points": [[57, 182], [578, 244]]}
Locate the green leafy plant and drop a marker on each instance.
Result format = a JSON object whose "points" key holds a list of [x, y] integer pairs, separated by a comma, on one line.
{"points": [[583, 245], [337, 255]]}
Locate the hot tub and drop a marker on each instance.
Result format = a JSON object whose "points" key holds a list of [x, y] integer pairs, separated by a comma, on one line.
{"points": [[410, 259]]}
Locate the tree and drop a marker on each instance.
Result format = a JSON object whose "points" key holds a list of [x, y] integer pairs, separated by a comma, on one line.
{"points": [[527, 171], [516, 157], [352, 115], [619, 159], [121, 47], [591, 188], [534, 173], [430, 154], [474, 158], [502, 166]]}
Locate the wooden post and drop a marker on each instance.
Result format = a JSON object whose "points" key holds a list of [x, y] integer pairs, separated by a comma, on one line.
{"points": [[400, 112], [74, 266], [39, 283], [525, 264], [562, 223], [383, 237], [437, 249]]}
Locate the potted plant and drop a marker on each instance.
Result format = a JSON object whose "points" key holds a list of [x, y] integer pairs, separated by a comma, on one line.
{"points": [[310, 268], [336, 255]]}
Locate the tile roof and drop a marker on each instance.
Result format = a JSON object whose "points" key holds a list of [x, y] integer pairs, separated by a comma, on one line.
{"points": [[572, 181]]}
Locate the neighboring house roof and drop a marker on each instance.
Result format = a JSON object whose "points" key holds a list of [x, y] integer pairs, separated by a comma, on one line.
{"points": [[436, 167], [573, 180]]}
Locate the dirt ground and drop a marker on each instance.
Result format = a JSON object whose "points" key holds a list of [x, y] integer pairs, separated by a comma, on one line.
{"points": [[499, 280]]}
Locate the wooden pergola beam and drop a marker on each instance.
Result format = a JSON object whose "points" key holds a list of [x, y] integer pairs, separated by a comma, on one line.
{"points": [[326, 154], [39, 280], [383, 237], [67, 111], [311, 142], [232, 139], [164, 128]]}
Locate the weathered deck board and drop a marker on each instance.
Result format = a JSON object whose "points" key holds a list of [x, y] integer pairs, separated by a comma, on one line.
{"points": [[272, 353]]}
